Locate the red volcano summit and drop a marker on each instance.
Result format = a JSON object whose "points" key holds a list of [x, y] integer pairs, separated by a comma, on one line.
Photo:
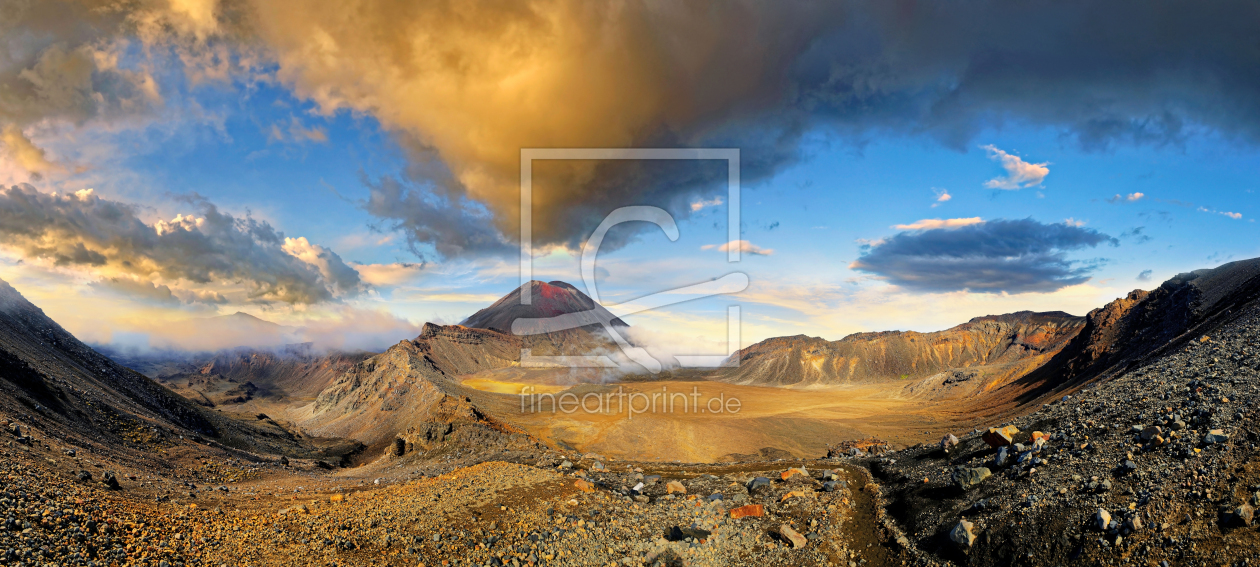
{"points": [[547, 299]]}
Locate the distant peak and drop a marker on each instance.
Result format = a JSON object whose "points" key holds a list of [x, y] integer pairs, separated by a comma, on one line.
{"points": [[547, 299]]}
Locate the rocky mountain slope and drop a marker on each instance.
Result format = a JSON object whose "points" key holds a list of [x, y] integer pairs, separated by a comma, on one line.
{"points": [[409, 394], [59, 387], [1154, 462], [1022, 340], [1131, 331]]}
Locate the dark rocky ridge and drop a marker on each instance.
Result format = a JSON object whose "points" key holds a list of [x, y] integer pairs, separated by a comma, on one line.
{"points": [[1142, 326], [1184, 358], [65, 389]]}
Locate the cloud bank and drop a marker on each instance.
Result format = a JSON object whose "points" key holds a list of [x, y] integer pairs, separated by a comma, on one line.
{"points": [[744, 246], [1001, 256], [933, 224], [109, 239]]}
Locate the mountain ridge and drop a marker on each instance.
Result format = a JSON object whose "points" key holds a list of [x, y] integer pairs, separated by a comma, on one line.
{"points": [[883, 355]]}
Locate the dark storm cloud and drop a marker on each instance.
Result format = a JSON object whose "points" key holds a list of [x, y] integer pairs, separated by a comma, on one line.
{"points": [[477, 80], [1101, 74], [1010, 256]]}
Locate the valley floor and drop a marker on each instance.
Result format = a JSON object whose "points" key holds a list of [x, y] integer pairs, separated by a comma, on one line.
{"points": [[553, 512]]}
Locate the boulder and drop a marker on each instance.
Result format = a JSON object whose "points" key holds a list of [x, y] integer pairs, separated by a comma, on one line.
{"points": [[1000, 436]]}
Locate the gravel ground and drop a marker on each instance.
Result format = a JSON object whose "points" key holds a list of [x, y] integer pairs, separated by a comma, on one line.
{"points": [[552, 512], [1107, 487]]}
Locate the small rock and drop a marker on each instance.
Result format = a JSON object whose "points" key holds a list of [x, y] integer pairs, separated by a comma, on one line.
{"points": [[1215, 436], [749, 511], [1151, 432], [758, 482], [1243, 515], [967, 478], [949, 442], [961, 534], [566, 464], [798, 540], [583, 485], [1102, 519], [675, 486], [793, 472], [1002, 458], [110, 481], [678, 533]]}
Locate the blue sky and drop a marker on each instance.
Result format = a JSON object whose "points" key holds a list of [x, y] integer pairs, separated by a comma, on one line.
{"points": [[302, 142]]}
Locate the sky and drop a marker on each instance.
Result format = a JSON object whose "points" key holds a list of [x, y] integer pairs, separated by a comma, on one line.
{"points": [[351, 172]]}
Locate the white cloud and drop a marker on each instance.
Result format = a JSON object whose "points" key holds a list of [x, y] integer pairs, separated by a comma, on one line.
{"points": [[941, 196], [932, 224], [1019, 173], [702, 204], [1130, 198], [1235, 216], [1073, 222], [394, 274], [743, 246]]}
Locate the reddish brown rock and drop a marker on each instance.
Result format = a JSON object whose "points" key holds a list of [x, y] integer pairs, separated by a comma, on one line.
{"points": [[749, 511]]}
